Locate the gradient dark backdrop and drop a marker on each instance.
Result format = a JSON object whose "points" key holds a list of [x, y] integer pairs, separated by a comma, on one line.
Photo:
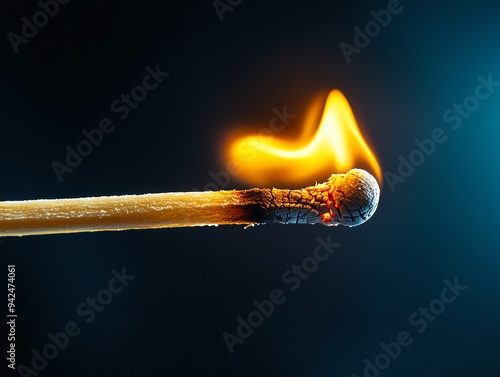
{"points": [[191, 284]]}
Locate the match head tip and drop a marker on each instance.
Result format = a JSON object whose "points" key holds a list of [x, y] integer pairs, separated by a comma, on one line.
{"points": [[355, 197]]}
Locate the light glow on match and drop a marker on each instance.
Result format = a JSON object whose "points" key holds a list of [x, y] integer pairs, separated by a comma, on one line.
{"points": [[336, 146]]}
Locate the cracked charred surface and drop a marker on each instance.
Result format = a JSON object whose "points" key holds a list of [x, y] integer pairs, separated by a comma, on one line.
{"points": [[347, 199]]}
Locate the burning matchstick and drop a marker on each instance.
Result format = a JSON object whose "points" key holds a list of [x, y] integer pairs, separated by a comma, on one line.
{"points": [[346, 199]]}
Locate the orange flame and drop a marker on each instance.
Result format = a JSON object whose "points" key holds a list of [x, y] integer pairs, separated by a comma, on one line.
{"points": [[336, 147]]}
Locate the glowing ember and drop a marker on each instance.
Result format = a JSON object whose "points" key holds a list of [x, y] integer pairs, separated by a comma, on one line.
{"points": [[336, 147]]}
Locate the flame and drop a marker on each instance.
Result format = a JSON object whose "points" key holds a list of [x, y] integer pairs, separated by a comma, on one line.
{"points": [[336, 147]]}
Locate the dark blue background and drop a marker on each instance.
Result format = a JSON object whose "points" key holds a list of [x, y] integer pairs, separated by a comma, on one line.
{"points": [[192, 284]]}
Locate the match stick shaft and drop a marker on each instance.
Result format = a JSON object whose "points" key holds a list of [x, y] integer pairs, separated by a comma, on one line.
{"points": [[168, 210]]}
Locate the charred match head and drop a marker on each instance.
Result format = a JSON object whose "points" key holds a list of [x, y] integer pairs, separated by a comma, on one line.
{"points": [[353, 197], [347, 199]]}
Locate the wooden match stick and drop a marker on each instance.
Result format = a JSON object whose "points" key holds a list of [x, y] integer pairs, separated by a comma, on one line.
{"points": [[347, 199]]}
